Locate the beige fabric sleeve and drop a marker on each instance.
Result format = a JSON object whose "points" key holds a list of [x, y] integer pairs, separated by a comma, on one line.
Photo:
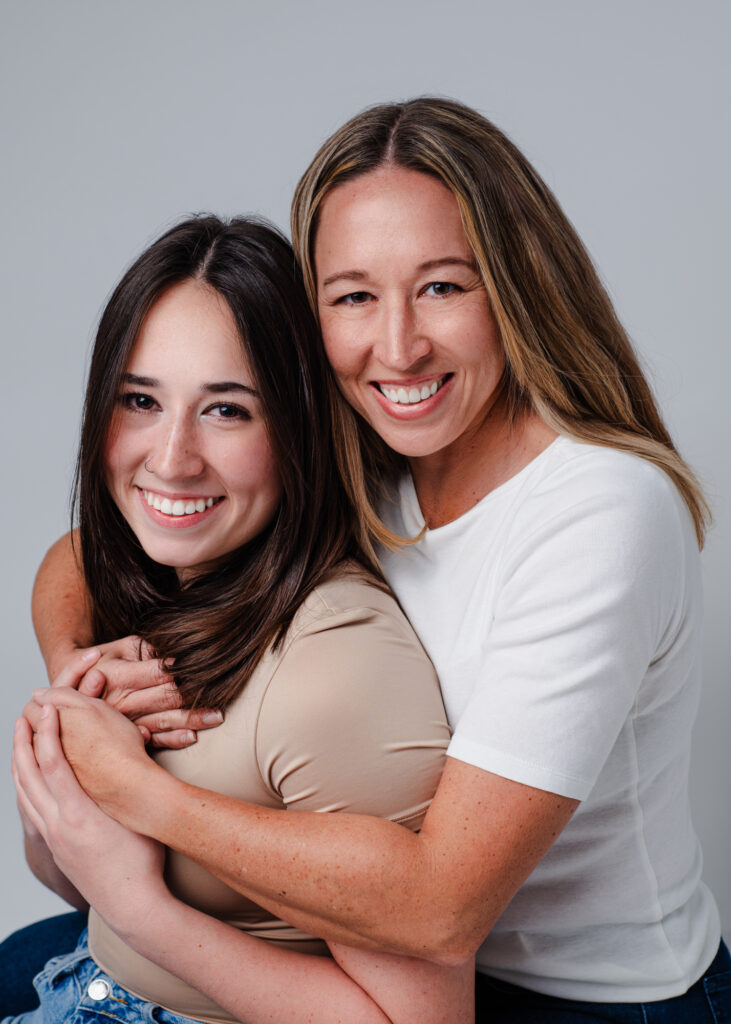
{"points": [[353, 720]]}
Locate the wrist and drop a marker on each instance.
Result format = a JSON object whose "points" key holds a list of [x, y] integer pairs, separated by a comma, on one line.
{"points": [[147, 920], [58, 658], [139, 801]]}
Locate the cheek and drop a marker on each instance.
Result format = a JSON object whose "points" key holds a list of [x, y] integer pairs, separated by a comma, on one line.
{"points": [[255, 474], [340, 346]]}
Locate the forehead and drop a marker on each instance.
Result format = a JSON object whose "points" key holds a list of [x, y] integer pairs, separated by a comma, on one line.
{"points": [[390, 210], [190, 326]]}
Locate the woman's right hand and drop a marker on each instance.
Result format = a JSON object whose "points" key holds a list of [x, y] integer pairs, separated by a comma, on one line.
{"points": [[117, 871], [126, 675]]}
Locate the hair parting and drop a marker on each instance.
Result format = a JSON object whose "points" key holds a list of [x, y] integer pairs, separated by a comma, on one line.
{"points": [[567, 356], [216, 627]]}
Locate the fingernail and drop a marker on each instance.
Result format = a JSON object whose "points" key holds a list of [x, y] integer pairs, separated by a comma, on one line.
{"points": [[45, 712], [190, 737], [37, 694], [91, 655], [213, 718]]}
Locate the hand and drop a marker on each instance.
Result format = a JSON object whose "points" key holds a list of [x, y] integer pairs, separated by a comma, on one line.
{"points": [[127, 676], [117, 871], [104, 749]]}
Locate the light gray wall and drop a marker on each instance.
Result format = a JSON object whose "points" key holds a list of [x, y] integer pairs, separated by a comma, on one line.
{"points": [[117, 118]]}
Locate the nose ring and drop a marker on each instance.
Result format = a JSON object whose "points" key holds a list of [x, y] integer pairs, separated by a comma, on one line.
{"points": [[147, 466]]}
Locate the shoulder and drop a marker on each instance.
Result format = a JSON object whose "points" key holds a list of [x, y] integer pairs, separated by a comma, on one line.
{"points": [[352, 706], [604, 527], [350, 597], [613, 496], [574, 470]]}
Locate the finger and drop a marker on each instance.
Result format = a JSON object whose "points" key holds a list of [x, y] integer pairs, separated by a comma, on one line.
{"points": [[174, 740], [133, 648], [32, 713], [63, 697], [34, 798], [93, 683], [130, 676], [201, 718], [153, 700], [55, 769], [77, 667]]}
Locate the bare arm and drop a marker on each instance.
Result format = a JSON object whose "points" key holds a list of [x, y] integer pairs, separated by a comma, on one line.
{"points": [[61, 615], [41, 862], [121, 873], [349, 878]]}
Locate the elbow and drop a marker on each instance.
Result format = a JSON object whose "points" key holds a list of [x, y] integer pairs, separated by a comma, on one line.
{"points": [[452, 943]]}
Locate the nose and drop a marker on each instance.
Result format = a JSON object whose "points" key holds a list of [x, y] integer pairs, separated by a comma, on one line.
{"points": [[400, 342], [177, 455]]}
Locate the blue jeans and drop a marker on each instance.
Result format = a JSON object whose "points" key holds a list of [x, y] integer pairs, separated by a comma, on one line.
{"points": [[73, 990], [706, 1002], [24, 953]]}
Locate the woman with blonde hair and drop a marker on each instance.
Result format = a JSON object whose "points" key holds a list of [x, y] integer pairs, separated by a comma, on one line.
{"points": [[499, 419]]}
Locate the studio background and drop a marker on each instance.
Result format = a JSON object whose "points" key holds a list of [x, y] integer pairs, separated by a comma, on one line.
{"points": [[118, 118]]}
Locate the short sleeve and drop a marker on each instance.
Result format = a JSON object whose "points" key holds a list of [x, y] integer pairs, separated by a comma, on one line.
{"points": [[352, 720], [590, 586]]}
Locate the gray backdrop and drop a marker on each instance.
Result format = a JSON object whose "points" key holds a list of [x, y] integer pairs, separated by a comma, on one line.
{"points": [[118, 118]]}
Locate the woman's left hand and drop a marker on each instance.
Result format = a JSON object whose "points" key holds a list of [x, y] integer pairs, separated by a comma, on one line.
{"points": [[117, 871], [104, 749]]}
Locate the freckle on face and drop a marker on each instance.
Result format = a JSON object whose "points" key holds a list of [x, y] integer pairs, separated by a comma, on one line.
{"points": [[381, 228]]}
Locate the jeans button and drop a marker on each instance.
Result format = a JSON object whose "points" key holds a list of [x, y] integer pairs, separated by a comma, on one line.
{"points": [[98, 989]]}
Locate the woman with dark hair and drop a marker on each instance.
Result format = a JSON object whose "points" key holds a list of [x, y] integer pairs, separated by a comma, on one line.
{"points": [[213, 525], [554, 580]]}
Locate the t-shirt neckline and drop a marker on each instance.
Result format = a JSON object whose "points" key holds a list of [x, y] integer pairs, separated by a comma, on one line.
{"points": [[410, 500]]}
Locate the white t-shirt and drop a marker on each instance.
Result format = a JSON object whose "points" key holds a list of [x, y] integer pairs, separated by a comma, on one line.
{"points": [[563, 614]]}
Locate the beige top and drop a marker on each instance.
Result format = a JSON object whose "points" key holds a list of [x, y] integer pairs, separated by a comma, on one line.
{"points": [[345, 716]]}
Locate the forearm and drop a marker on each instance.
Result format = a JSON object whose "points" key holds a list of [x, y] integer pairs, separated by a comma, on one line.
{"points": [[45, 869], [347, 878], [258, 982], [357, 880], [61, 616]]}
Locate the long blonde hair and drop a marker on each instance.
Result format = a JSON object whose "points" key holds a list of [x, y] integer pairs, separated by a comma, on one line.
{"points": [[567, 355]]}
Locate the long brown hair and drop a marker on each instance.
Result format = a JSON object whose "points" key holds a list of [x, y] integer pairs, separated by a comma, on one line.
{"points": [[567, 356], [217, 627]]}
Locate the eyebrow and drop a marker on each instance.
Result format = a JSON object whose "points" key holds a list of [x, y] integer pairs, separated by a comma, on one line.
{"points": [[214, 388], [443, 261]]}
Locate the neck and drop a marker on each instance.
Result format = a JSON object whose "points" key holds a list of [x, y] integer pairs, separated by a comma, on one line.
{"points": [[452, 481]]}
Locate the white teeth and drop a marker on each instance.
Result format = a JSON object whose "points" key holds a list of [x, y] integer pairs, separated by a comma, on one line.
{"points": [[177, 507], [400, 396]]}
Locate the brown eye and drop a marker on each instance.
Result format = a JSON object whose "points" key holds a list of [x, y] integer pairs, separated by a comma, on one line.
{"points": [[138, 402], [226, 411], [441, 288], [356, 298]]}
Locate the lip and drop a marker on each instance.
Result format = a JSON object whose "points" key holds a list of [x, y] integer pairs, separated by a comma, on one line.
{"points": [[177, 522], [407, 413]]}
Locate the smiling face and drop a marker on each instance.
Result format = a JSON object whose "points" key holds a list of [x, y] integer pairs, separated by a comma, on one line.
{"points": [[405, 317], [188, 457]]}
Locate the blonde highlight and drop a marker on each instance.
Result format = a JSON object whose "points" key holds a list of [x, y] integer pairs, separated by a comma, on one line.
{"points": [[568, 357]]}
